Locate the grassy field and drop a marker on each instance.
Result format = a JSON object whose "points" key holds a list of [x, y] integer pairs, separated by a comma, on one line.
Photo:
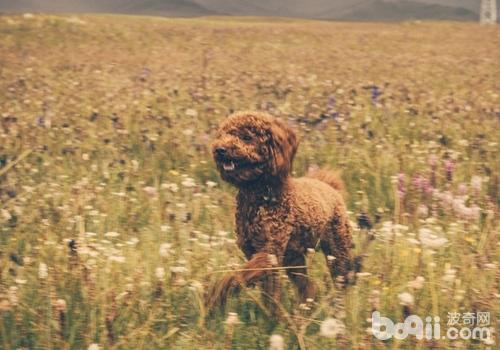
{"points": [[114, 222]]}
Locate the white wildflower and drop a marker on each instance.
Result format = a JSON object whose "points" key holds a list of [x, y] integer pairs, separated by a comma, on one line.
{"points": [[417, 283], [42, 271], [276, 342], [476, 183], [388, 231], [304, 306], [196, 286], [173, 187], [331, 327], [133, 241], [5, 215], [13, 298], [178, 269], [363, 274], [160, 273], [423, 210], [399, 227], [111, 234], [165, 249], [188, 182], [232, 319], [61, 305], [413, 241], [150, 190], [406, 299], [211, 184], [490, 266], [431, 240], [135, 164], [117, 258], [191, 112], [449, 275]]}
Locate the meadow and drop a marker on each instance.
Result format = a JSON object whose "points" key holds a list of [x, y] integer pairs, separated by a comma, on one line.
{"points": [[114, 222]]}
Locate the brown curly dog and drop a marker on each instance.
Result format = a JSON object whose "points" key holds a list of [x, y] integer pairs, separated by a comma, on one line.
{"points": [[278, 218]]}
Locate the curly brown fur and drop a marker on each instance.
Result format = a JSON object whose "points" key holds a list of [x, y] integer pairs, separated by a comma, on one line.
{"points": [[277, 214]]}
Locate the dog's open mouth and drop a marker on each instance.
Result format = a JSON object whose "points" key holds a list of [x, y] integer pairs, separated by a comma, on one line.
{"points": [[233, 164], [228, 165]]}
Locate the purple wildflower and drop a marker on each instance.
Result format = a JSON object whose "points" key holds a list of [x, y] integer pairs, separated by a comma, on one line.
{"points": [[375, 93], [423, 184]]}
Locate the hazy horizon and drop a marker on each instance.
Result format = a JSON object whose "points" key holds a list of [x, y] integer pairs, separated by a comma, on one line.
{"points": [[378, 10]]}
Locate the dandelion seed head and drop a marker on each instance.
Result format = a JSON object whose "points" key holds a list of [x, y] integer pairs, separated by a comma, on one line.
{"points": [[331, 327], [406, 299], [60, 305], [276, 342], [232, 319]]}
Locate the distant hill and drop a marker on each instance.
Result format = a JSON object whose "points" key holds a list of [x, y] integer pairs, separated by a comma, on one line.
{"points": [[360, 10], [150, 7], [162, 7], [407, 10], [367, 10]]}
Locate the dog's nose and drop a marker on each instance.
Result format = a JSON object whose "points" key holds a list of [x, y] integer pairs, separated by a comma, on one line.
{"points": [[220, 151]]}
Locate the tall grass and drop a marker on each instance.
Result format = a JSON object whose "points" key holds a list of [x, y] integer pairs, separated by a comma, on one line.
{"points": [[114, 221]]}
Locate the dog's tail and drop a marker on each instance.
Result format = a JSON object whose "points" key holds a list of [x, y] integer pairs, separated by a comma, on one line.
{"points": [[329, 177], [257, 268]]}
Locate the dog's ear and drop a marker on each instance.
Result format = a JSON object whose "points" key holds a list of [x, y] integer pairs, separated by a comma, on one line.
{"points": [[283, 147]]}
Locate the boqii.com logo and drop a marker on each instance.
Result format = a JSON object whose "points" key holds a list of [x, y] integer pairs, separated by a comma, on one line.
{"points": [[467, 325]]}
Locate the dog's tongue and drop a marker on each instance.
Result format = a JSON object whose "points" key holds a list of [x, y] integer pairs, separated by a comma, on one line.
{"points": [[228, 166]]}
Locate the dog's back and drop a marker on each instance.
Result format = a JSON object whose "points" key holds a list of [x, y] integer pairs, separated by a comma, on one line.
{"points": [[329, 177]]}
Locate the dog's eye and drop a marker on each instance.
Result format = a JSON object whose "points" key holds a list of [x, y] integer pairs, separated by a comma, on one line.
{"points": [[247, 138]]}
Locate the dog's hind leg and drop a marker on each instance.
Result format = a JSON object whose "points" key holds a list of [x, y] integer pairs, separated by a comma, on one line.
{"points": [[336, 244], [298, 275]]}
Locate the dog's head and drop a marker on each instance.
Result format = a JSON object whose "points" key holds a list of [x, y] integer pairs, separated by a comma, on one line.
{"points": [[253, 146]]}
